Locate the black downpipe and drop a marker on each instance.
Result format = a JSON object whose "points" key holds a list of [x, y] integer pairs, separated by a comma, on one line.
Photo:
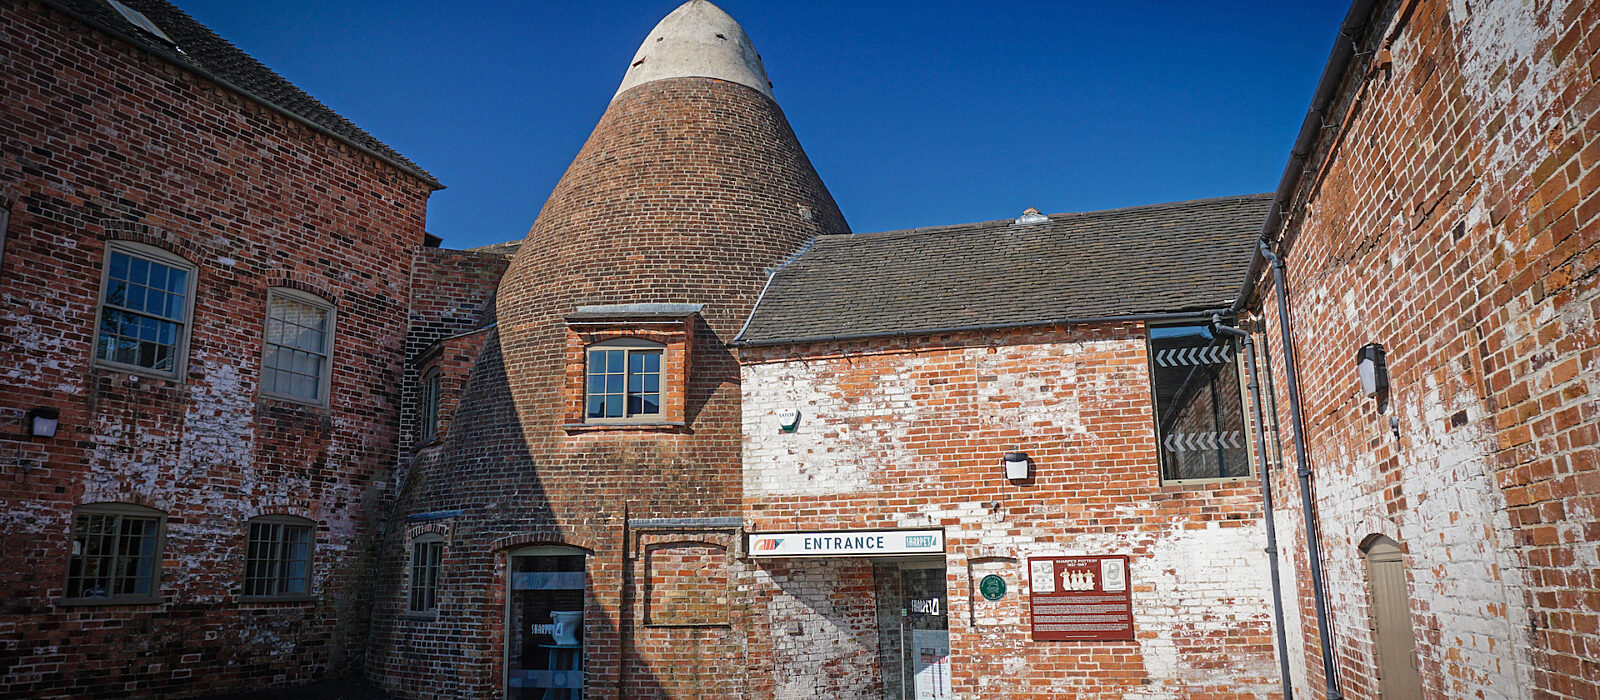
{"points": [[1264, 471], [1307, 502]]}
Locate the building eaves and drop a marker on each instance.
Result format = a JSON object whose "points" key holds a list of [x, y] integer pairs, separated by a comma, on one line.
{"points": [[203, 52]]}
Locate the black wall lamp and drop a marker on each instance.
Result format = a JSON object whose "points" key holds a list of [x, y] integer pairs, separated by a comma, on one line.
{"points": [[42, 422], [1372, 367], [1016, 465]]}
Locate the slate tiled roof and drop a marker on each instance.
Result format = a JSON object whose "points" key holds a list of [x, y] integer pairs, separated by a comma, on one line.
{"points": [[211, 55], [1161, 258]]}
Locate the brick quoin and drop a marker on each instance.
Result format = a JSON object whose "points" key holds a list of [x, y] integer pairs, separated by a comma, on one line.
{"points": [[102, 141], [1449, 212]]}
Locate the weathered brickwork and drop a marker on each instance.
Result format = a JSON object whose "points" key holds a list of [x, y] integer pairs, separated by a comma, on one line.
{"points": [[908, 433], [101, 142], [694, 219], [1450, 214], [452, 294]]}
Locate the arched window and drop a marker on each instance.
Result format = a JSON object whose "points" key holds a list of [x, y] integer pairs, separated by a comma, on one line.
{"points": [[297, 359], [116, 554], [146, 300], [623, 381], [278, 553], [427, 551]]}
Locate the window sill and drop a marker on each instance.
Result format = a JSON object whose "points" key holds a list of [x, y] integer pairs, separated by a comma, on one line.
{"points": [[136, 371], [107, 602], [420, 616], [270, 600], [636, 427], [282, 398]]}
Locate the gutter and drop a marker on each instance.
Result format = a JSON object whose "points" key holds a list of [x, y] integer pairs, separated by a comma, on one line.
{"points": [[1311, 127], [1175, 316], [1316, 120], [409, 169]]}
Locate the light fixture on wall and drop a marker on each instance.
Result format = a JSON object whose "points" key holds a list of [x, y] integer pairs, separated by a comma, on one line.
{"points": [[1016, 465], [1372, 367], [42, 422]]}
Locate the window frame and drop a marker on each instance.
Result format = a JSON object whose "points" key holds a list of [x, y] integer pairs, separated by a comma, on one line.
{"points": [[325, 381], [433, 544], [119, 510], [1246, 433], [180, 349], [629, 345], [311, 558], [428, 406]]}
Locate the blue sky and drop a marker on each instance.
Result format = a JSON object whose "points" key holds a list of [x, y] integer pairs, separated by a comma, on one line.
{"points": [[914, 113]]}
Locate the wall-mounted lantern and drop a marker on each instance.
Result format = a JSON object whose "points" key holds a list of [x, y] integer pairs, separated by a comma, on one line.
{"points": [[42, 422], [1016, 465], [1374, 370]]}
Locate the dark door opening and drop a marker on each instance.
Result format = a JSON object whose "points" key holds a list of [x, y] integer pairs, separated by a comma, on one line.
{"points": [[544, 624], [913, 629]]}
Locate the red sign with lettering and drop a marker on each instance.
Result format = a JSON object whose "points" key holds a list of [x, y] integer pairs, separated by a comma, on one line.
{"points": [[1080, 598]]}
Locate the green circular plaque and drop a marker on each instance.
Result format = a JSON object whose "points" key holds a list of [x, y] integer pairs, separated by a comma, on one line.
{"points": [[992, 587]]}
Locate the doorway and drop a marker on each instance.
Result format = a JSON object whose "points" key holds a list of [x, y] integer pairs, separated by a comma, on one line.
{"points": [[544, 624], [1391, 620], [913, 628]]}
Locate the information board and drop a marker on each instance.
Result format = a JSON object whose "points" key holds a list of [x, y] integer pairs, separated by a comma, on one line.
{"points": [[1080, 598]]}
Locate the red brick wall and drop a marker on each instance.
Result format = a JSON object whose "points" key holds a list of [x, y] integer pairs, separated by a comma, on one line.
{"points": [[1451, 216], [909, 433], [636, 219], [99, 142]]}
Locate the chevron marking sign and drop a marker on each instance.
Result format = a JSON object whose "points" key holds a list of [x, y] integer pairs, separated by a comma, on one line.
{"points": [[1187, 442], [1176, 357]]}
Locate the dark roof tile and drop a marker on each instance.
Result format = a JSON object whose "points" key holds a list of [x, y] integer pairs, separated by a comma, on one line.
{"points": [[1161, 258]]}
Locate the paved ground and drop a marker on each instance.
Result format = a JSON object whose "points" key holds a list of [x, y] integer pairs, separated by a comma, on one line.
{"points": [[326, 690]]}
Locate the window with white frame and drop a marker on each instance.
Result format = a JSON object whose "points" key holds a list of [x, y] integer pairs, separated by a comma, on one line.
{"points": [[116, 554], [145, 304], [429, 404], [298, 346], [427, 551], [277, 560], [623, 381]]}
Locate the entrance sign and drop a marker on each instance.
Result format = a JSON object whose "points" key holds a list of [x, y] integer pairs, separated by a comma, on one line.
{"points": [[854, 543], [1081, 598], [992, 587]]}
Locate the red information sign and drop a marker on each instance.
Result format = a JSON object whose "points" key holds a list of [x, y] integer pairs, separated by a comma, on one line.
{"points": [[1078, 598]]}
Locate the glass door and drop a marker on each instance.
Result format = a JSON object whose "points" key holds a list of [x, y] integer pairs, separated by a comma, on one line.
{"points": [[914, 629], [544, 624]]}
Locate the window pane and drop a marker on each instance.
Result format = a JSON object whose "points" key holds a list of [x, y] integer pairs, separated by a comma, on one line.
{"points": [[597, 406], [119, 266], [652, 362], [651, 403], [597, 362], [636, 362], [613, 406], [178, 282], [614, 384], [614, 358], [138, 270], [652, 383]]}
